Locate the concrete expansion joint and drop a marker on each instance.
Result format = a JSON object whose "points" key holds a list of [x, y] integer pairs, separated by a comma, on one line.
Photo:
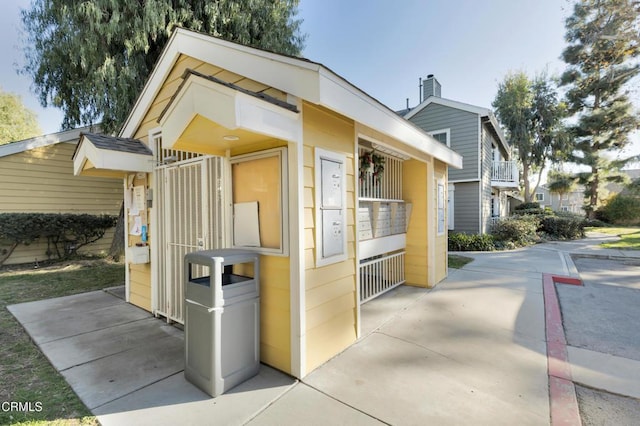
{"points": [[343, 403], [135, 390], [273, 401], [92, 331], [417, 345]]}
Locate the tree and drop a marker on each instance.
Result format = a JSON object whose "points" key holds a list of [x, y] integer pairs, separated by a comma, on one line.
{"points": [[561, 183], [92, 58], [604, 44], [532, 116], [17, 122]]}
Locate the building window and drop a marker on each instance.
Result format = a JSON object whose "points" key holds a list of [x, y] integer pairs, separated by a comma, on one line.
{"points": [[539, 196], [443, 136], [564, 208]]}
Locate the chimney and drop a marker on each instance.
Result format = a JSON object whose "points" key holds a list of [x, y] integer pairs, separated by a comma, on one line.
{"points": [[431, 87]]}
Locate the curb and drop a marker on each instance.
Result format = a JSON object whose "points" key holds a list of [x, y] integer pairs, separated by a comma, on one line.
{"points": [[562, 391]]}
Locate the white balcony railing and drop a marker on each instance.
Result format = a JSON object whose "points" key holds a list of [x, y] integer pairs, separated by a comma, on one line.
{"points": [[505, 173]]}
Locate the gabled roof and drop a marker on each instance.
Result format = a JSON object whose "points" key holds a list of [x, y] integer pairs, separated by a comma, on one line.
{"points": [[103, 155], [300, 78], [111, 143], [67, 136], [485, 113]]}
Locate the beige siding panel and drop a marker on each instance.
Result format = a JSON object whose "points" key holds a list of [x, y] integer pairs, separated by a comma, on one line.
{"points": [[333, 290], [319, 276], [41, 180], [275, 306], [140, 286], [309, 220], [309, 239], [416, 250], [330, 290], [332, 308], [330, 338]]}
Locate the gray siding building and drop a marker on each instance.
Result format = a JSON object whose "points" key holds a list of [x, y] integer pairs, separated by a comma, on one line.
{"points": [[478, 192]]}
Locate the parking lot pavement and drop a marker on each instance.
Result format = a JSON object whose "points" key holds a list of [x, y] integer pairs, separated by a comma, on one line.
{"points": [[600, 321]]}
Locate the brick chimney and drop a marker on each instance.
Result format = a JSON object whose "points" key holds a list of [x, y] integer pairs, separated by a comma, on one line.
{"points": [[431, 87]]}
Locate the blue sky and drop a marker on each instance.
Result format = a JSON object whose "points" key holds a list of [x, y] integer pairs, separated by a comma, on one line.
{"points": [[384, 46]]}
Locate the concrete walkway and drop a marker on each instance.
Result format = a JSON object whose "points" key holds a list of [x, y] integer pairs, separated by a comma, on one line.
{"points": [[470, 351]]}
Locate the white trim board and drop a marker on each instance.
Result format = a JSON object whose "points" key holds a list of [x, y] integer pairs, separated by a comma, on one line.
{"points": [[307, 80]]}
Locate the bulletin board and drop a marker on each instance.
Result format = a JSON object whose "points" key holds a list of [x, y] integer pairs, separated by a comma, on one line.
{"points": [[259, 180]]}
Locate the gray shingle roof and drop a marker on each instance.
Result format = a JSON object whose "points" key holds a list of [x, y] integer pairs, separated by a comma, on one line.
{"points": [[113, 143]]}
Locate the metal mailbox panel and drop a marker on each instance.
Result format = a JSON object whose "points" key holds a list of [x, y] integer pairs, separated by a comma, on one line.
{"points": [[331, 183], [332, 235]]}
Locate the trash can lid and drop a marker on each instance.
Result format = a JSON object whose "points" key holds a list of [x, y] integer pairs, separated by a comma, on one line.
{"points": [[225, 256]]}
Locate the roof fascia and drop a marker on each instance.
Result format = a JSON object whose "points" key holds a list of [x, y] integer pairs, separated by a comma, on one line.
{"points": [[294, 76], [301, 78], [67, 136], [449, 103], [339, 95]]}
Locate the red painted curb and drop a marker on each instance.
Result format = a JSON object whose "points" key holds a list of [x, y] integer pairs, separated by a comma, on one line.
{"points": [[562, 392]]}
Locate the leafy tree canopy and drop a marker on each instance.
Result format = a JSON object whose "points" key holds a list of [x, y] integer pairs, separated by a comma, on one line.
{"points": [[602, 60], [17, 122], [532, 116], [561, 182], [92, 58]]}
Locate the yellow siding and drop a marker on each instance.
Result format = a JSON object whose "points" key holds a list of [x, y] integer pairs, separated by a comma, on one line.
{"points": [[41, 180], [274, 276], [140, 275], [275, 312], [330, 292], [414, 189], [140, 286]]}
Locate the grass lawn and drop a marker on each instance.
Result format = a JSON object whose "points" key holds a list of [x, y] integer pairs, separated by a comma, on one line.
{"points": [[457, 262], [25, 374], [629, 238]]}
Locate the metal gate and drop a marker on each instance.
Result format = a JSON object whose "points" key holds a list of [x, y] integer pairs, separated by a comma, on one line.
{"points": [[190, 217]]}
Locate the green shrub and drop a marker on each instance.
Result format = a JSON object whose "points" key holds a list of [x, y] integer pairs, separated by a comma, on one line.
{"points": [[65, 233], [567, 226], [527, 206], [518, 230], [470, 242], [531, 211], [596, 223], [621, 210]]}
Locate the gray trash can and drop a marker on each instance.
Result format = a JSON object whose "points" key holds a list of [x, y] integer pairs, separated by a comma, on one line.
{"points": [[222, 318]]}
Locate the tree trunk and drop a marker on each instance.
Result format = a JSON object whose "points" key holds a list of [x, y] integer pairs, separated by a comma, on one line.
{"points": [[593, 199], [117, 244], [525, 177]]}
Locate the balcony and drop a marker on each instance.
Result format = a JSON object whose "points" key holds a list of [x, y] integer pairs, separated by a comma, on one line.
{"points": [[504, 174]]}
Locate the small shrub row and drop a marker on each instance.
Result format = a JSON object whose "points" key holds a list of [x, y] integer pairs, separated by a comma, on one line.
{"points": [[470, 242], [563, 227], [518, 230], [527, 206], [521, 230], [65, 233]]}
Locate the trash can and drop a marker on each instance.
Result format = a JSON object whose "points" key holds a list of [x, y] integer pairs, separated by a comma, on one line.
{"points": [[222, 318]]}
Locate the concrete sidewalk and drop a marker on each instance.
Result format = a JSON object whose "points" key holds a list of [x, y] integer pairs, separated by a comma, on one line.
{"points": [[470, 351]]}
